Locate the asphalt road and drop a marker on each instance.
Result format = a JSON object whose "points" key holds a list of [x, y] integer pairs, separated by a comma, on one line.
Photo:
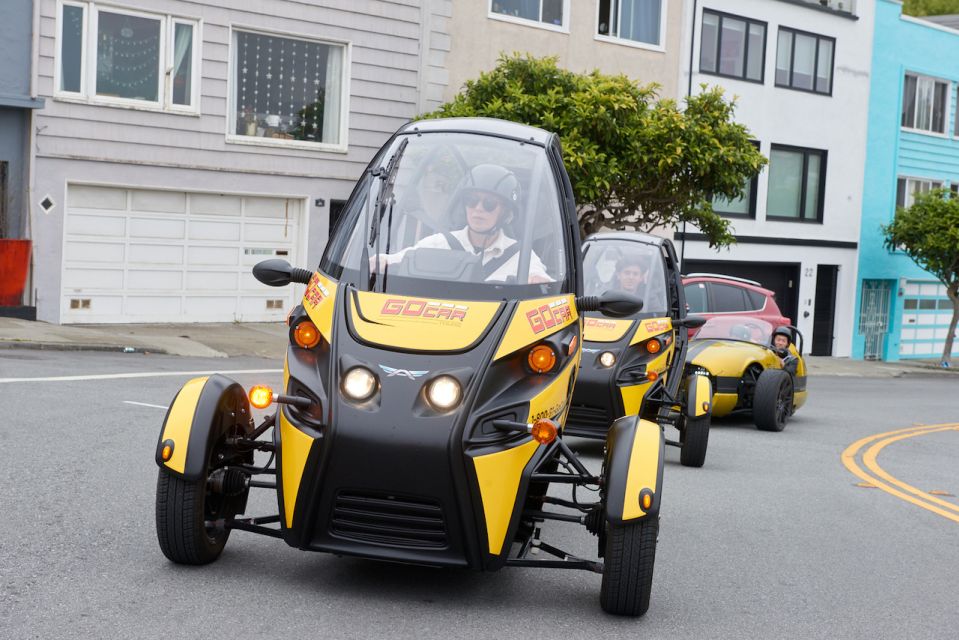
{"points": [[773, 538]]}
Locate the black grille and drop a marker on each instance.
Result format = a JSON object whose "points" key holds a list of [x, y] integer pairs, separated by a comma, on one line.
{"points": [[585, 417], [397, 521]]}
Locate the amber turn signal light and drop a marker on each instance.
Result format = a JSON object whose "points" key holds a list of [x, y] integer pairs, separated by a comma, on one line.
{"points": [[306, 335], [652, 376], [261, 396], [167, 451], [543, 431], [541, 358], [646, 500], [653, 346]]}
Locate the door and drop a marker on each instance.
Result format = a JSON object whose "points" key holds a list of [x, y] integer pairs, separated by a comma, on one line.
{"points": [[781, 278], [136, 255], [825, 315], [874, 317]]}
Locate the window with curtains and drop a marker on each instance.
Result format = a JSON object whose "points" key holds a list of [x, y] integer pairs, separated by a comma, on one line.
{"points": [[732, 46], [804, 61], [797, 184], [548, 12], [638, 21], [924, 103], [110, 55], [288, 88]]}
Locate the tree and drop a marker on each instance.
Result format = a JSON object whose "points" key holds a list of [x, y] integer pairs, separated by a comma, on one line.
{"points": [[930, 7], [928, 232], [635, 162]]}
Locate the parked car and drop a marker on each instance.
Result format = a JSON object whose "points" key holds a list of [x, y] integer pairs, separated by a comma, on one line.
{"points": [[749, 374], [714, 295]]}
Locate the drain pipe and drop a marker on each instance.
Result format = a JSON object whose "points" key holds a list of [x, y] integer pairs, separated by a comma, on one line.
{"points": [[689, 93]]}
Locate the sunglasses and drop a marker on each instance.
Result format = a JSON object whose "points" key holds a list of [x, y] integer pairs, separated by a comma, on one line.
{"points": [[490, 203]]}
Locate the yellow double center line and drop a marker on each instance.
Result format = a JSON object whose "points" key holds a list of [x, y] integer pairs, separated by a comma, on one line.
{"points": [[881, 479]]}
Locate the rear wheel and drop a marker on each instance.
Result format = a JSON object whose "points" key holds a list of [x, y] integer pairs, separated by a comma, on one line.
{"points": [[773, 400], [628, 570], [695, 440]]}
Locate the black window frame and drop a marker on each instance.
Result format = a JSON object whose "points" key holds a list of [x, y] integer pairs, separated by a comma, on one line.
{"points": [[719, 44], [821, 196], [753, 192], [815, 65]]}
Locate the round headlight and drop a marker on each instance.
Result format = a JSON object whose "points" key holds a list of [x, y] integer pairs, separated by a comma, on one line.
{"points": [[444, 392], [607, 358], [359, 383]]}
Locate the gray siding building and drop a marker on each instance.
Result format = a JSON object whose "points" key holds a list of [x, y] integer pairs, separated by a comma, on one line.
{"points": [[17, 102], [184, 141]]}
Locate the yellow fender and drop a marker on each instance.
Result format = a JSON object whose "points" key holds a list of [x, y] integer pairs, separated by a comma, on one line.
{"points": [[699, 396], [635, 449], [202, 411]]}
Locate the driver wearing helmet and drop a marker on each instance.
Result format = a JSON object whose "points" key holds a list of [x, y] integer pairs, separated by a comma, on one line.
{"points": [[782, 338], [490, 196]]}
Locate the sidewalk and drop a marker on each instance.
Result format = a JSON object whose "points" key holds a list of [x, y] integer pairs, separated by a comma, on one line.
{"points": [[269, 340]]}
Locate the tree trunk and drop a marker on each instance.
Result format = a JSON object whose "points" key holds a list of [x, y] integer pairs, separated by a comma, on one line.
{"points": [[953, 292]]}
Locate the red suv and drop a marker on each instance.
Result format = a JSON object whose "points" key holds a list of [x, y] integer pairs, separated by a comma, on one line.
{"points": [[712, 294]]}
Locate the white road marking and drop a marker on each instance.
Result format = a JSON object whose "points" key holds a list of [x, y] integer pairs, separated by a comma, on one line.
{"points": [[143, 374], [145, 404]]}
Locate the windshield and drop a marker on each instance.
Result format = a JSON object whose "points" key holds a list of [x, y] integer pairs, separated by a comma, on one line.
{"points": [[630, 266], [737, 328], [455, 215]]}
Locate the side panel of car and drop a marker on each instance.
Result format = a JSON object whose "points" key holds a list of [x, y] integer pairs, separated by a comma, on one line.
{"points": [[635, 450]]}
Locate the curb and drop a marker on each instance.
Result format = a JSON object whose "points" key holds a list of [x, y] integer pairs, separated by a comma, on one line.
{"points": [[73, 346]]}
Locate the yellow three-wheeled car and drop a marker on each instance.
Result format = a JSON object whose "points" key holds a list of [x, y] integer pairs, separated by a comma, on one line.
{"points": [[427, 381]]}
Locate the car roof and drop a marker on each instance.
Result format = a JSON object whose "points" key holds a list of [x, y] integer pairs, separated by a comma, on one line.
{"points": [[488, 126], [632, 236], [738, 282]]}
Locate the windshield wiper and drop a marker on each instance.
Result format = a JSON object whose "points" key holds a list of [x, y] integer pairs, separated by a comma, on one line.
{"points": [[384, 196]]}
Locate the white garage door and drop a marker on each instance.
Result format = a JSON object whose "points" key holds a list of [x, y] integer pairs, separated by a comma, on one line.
{"points": [[927, 312], [133, 255]]}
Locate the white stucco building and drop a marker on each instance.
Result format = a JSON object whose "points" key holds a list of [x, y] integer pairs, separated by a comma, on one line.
{"points": [[800, 73]]}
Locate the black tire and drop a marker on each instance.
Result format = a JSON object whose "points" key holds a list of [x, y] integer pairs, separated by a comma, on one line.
{"points": [[695, 440], [628, 570], [181, 515], [773, 400]]}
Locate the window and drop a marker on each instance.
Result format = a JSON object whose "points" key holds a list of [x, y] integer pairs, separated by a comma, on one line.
{"points": [[287, 89], [804, 61], [908, 188], [547, 12], [4, 232], [732, 46], [696, 297], [796, 184], [727, 299], [744, 205], [639, 21], [924, 103], [126, 57]]}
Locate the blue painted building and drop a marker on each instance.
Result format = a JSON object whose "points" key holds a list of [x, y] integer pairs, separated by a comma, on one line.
{"points": [[913, 145]]}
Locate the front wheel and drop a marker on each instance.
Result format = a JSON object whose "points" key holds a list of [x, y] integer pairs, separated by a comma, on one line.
{"points": [[628, 571], [773, 400], [182, 511], [692, 453]]}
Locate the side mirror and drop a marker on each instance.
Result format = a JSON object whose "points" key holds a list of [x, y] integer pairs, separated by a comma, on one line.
{"points": [[614, 303], [692, 322], [279, 273]]}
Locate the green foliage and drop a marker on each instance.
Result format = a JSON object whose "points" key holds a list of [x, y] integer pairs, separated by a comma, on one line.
{"points": [[930, 7], [928, 232], [635, 162]]}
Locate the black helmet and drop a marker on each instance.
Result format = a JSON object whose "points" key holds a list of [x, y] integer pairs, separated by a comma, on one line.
{"points": [[494, 179], [782, 331]]}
